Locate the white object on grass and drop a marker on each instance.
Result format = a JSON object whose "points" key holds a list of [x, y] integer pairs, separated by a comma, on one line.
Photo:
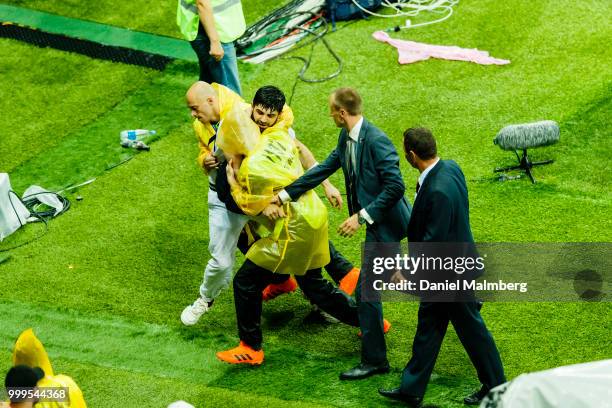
{"points": [[574, 386], [44, 196], [180, 404], [13, 214]]}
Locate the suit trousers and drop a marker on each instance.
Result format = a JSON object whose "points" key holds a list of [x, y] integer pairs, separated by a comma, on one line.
{"points": [[251, 279], [433, 321], [373, 345]]}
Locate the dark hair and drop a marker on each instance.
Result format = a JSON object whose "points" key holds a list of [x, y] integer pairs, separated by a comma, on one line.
{"points": [[22, 376], [347, 99], [421, 141], [270, 97]]}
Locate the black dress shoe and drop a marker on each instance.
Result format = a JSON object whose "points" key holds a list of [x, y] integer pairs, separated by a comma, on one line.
{"points": [[364, 371], [396, 394], [476, 398]]}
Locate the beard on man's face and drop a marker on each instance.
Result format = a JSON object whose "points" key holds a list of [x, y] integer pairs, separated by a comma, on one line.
{"points": [[262, 125]]}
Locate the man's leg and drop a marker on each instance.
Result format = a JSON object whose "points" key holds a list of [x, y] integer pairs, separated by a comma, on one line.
{"points": [[478, 342], [338, 266], [229, 67], [201, 46], [281, 283], [373, 345], [248, 284], [224, 230], [342, 271], [224, 72], [331, 300], [431, 329]]}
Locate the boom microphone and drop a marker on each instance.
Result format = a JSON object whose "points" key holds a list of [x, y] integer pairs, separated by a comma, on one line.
{"points": [[536, 134]]}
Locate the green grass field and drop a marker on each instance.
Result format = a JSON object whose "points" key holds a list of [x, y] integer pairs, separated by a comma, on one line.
{"points": [[104, 287]]}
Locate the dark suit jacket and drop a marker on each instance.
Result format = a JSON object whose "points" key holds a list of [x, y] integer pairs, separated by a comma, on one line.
{"points": [[441, 214], [379, 185], [441, 210]]}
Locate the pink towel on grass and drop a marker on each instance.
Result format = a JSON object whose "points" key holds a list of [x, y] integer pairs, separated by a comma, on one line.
{"points": [[410, 51]]}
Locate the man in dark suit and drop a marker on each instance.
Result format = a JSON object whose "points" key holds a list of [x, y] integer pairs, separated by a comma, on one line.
{"points": [[441, 214], [375, 195]]}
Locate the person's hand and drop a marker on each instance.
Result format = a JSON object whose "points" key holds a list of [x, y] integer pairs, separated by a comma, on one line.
{"points": [[216, 51], [333, 196], [231, 175], [350, 226], [273, 212], [210, 162], [276, 200]]}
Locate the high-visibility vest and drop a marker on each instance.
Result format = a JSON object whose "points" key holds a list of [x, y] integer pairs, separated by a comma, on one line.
{"points": [[228, 16]]}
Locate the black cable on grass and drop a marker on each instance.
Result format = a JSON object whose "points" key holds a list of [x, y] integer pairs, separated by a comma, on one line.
{"points": [[36, 238], [112, 166], [32, 204], [301, 75]]}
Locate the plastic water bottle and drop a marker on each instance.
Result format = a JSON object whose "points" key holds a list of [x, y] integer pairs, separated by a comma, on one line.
{"points": [[131, 136]]}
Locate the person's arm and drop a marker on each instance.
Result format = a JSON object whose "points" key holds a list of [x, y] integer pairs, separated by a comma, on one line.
{"points": [[205, 11], [386, 162], [311, 178], [234, 160], [308, 161], [306, 157]]}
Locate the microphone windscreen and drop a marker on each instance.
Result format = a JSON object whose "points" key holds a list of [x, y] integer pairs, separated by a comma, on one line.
{"points": [[523, 136]]}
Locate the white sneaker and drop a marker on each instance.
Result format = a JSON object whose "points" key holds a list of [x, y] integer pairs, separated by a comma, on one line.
{"points": [[192, 313]]}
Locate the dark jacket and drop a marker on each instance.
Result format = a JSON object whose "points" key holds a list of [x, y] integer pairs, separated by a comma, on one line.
{"points": [[441, 215], [441, 210], [379, 187]]}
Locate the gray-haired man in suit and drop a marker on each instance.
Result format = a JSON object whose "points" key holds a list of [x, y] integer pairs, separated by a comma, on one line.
{"points": [[375, 195]]}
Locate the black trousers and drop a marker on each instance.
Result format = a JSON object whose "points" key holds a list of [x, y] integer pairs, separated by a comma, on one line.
{"points": [[338, 266], [373, 344], [251, 279], [472, 332]]}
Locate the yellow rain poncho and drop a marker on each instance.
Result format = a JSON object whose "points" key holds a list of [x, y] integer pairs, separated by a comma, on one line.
{"points": [[291, 245], [30, 351]]}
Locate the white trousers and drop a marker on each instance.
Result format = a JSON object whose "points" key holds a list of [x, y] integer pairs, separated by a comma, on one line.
{"points": [[224, 230]]}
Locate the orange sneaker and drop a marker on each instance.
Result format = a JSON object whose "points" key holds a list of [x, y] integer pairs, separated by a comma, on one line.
{"points": [[386, 327], [276, 289], [243, 354], [349, 282]]}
